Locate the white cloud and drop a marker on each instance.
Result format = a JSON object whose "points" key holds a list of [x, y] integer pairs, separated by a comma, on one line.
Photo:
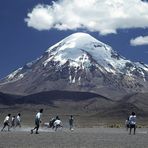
{"points": [[141, 40], [104, 16]]}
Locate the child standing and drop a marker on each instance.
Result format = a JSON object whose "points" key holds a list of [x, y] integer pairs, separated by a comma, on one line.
{"points": [[71, 120], [127, 123]]}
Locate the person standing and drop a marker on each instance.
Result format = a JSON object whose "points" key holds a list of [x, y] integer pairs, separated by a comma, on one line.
{"points": [[6, 122], [132, 122], [18, 120], [37, 121], [127, 124], [71, 120]]}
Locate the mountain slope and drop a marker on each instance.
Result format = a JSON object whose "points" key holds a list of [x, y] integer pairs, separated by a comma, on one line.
{"points": [[78, 63]]}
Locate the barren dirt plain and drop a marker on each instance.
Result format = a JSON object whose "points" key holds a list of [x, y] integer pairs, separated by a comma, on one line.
{"points": [[91, 129], [79, 138]]}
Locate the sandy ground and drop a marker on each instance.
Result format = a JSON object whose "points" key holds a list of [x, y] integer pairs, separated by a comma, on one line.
{"points": [[79, 138]]}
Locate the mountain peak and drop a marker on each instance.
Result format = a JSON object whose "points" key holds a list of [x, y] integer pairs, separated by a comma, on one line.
{"points": [[81, 48], [76, 40], [79, 61], [80, 36]]}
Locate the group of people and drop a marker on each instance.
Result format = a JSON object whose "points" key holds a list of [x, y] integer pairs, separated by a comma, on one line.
{"points": [[14, 122], [130, 123], [54, 123]]}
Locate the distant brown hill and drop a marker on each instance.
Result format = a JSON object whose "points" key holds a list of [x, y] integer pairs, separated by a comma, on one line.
{"points": [[98, 105]]}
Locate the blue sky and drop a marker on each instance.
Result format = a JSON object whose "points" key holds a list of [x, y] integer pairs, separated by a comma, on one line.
{"points": [[29, 27]]}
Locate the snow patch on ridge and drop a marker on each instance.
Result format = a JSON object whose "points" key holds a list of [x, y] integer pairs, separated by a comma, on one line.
{"points": [[12, 75]]}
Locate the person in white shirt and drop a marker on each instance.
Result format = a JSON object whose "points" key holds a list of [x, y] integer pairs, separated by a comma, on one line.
{"points": [[18, 120], [57, 123], [37, 121], [132, 122], [6, 122]]}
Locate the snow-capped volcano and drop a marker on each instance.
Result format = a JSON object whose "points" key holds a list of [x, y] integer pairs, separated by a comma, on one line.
{"points": [[78, 62], [81, 48]]}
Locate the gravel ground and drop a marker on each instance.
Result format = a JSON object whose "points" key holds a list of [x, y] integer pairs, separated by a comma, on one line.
{"points": [[79, 138]]}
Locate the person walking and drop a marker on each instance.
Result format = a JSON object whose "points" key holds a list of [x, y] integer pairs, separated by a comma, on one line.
{"points": [[37, 121], [18, 120], [6, 122], [132, 122], [71, 120], [13, 121]]}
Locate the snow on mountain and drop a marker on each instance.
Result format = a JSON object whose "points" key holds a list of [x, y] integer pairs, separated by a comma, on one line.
{"points": [[81, 60], [78, 46], [19, 73], [12, 76]]}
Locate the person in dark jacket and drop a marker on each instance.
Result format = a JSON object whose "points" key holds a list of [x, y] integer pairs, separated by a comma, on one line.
{"points": [[13, 121]]}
